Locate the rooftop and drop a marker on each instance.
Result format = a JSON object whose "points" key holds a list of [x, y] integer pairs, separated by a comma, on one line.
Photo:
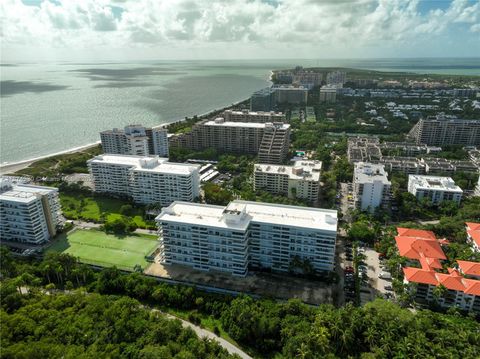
{"points": [[303, 169], [145, 164], [24, 193], [433, 183], [238, 214], [365, 172]]}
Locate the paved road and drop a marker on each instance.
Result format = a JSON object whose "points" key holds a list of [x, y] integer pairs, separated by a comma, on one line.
{"points": [[203, 333]]}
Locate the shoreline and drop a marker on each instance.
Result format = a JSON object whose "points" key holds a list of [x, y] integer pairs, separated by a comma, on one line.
{"points": [[10, 168]]}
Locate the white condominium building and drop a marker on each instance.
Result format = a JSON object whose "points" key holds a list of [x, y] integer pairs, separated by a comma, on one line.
{"points": [[247, 235], [29, 214], [135, 140], [302, 180], [436, 189], [145, 179], [371, 187], [328, 94]]}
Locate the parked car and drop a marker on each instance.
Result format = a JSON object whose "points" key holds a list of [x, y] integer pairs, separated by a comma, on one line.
{"points": [[388, 287], [349, 269], [385, 275]]}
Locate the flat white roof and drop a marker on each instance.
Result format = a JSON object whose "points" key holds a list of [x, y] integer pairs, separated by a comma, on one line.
{"points": [[235, 124], [25, 193], [365, 172], [302, 169], [145, 164], [436, 183], [217, 216]]}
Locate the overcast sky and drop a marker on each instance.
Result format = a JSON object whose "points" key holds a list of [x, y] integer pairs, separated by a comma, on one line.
{"points": [[73, 30]]}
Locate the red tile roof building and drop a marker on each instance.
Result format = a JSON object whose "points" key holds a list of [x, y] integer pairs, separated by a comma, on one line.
{"points": [[462, 285], [473, 235]]}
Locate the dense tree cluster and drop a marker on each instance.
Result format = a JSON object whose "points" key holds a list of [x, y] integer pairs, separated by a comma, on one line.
{"points": [[77, 325], [96, 323]]}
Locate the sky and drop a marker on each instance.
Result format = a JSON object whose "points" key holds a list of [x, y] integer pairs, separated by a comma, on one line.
{"points": [[94, 30]]}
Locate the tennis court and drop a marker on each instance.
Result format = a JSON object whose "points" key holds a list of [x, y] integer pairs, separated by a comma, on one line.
{"points": [[97, 247]]}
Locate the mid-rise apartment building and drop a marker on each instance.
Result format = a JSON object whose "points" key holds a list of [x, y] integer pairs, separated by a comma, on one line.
{"points": [[29, 214], [371, 187], [460, 283], [437, 189], [336, 78], [135, 140], [328, 94], [263, 100], [302, 180], [473, 235], [290, 95], [269, 140], [439, 131], [146, 180], [253, 116], [247, 235]]}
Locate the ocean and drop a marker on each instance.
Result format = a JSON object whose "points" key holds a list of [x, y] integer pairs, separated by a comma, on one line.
{"points": [[52, 107]]}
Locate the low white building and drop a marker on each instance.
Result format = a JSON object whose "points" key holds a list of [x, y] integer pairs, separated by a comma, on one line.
{"points": [[247, 235], [371, 187], [302, 180], [29, 214], [437, 189], [146, 180]]}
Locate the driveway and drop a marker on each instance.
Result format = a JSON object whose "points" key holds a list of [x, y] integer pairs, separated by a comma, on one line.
{"points": [[377, 285]]}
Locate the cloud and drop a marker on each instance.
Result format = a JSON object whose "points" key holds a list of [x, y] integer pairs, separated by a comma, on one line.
{"points": [[218, 24]]}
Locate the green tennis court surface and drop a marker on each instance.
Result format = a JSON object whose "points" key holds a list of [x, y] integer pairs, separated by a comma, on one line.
{"points": [[97, 247]]}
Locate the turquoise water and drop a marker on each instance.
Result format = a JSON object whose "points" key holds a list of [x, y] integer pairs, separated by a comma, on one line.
{"points": [[48, 108]]}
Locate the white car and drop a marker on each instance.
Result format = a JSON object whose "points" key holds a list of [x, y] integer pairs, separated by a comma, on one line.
{"points": [[385, 275]]}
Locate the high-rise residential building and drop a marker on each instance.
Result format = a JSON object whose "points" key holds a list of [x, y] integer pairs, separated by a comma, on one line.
{"points": [[477, 189], [336, 78], [302, 180], [290, 95], [135, 140], [29, 214], [328, 94], [147, 180], [436, 189], [263, 100], [253, 116], [439, 131], [371, 187], [269, 140], [247, 235]]}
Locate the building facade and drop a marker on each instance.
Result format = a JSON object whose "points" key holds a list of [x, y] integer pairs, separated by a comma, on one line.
{"points": [[135, 140], [371, 187], [290, 95], [253, 116], [263, 100], [436, 189], [328, 94], [270, 140], [29, 214], [439, 131], [147, 180], [302, 180], [246, 236]]}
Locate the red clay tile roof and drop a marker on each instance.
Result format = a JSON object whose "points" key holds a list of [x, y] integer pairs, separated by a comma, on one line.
{"points": [[472, 286], [475, 236], [473, 226], [420, 276], [471, 268], [450, 281], [412, 247], [420, 233]]}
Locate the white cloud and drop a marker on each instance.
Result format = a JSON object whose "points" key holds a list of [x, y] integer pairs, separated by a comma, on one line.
{"points": [[309, 24]]}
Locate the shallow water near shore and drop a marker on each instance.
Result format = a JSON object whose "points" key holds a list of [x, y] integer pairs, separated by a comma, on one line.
{"points": [[51, 107]]}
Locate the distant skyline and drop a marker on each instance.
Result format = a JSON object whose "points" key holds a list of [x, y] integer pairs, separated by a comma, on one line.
{"points": [[102, 30]]}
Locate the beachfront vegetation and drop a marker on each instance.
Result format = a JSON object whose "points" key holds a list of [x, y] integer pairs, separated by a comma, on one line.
{"points": [[264, 328], [55, 167]]}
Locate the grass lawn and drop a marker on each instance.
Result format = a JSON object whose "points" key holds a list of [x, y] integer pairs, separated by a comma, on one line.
{"points": [[93, 207], [97, 247]]}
